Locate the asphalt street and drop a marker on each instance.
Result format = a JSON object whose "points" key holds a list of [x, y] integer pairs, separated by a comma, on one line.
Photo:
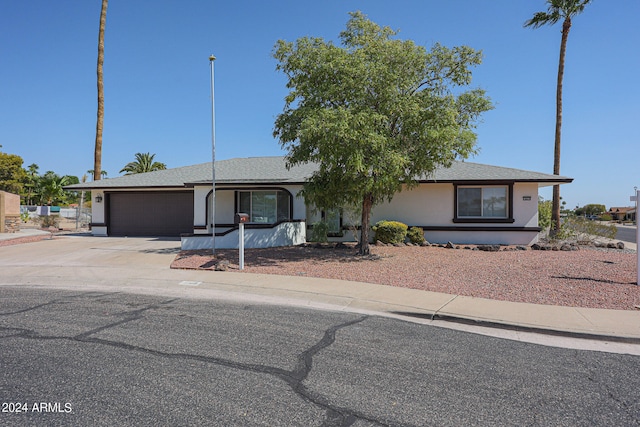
{"points": [[627, 234], [106, 358]]}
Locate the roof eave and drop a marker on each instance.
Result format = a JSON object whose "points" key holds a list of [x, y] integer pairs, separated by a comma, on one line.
{"points": [[124, 187]]}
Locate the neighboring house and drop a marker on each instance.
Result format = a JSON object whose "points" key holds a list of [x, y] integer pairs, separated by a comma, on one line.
{"points": [[467, 203], [623, 213]]}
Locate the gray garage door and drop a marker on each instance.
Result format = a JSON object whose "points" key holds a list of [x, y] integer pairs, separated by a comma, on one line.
{"points": [[157, 213]]}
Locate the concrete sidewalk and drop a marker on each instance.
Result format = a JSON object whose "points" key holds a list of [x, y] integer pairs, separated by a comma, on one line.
{"points": [[138, 265], [23, 232]]}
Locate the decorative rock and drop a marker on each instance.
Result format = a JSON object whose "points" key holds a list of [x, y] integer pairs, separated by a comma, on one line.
{"points": [[536, 247], [566, 247], [620, 245], [222, 265], [611, 245], [449, 245], [489, 248], [521, 248]]}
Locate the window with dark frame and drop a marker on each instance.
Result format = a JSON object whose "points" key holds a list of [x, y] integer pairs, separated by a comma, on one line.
{"points": [[333, 218], [265, 206], [483, 203]]}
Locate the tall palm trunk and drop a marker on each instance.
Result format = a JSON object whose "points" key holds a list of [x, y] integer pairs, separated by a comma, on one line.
{"points": [[555, 206], [97, 156]]}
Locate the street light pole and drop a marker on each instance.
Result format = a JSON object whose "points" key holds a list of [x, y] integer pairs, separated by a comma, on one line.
{"points": [[213, 161]]}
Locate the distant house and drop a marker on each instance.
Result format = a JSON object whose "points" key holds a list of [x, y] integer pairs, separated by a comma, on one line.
{"points": [[623, 213], [466, 203]]}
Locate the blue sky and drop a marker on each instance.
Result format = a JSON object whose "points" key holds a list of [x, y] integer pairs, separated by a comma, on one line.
{"points": [[157, 81]]}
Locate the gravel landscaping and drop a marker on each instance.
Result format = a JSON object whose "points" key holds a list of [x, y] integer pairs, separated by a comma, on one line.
{"points": [[589, 277]]}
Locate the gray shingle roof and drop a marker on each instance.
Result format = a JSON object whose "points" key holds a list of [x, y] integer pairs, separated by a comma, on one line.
{"points": [[272, 170]]}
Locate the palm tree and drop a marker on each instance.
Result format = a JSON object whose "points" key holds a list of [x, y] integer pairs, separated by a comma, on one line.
{"points": [[97, 154], [52, 188], [32, 183], [558, 10], [103, 174], [144, 163]]}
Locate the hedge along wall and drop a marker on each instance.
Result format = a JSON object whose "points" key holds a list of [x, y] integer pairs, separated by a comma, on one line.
{"points": [[9, 212]]}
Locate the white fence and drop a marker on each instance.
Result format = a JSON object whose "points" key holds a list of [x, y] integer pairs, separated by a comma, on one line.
{"points": [[75, 214]]}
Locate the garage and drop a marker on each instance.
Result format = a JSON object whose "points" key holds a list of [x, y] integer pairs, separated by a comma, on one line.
{"points": [[153, 213]]}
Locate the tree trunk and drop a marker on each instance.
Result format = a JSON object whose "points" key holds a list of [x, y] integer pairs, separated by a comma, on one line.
{"points": [[367, 203], [97, 156], [555, 205]]}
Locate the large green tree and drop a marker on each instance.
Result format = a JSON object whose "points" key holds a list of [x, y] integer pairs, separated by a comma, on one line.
{"points": [[97, 153], [558, 10], [144, 163], [376, 113], [12, 175]]}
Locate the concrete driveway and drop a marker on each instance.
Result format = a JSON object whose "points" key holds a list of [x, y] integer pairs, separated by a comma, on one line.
{"points": [[91, 263], [88, 251]]}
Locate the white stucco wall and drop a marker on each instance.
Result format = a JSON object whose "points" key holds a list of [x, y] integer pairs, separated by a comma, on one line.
{"points": [[97, 209], [427, 204], [431, 205], [525, 212], [98, 214], [284, 234]]}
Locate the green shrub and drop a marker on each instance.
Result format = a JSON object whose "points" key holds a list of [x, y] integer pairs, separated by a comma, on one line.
{"points": [[585, 230], [606, 217], [390, 231], [319, 232], [544, 213], [416, 235]]}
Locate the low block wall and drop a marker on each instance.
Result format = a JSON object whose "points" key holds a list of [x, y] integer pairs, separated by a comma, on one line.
{"points": [[283, 234], [9, 212]]}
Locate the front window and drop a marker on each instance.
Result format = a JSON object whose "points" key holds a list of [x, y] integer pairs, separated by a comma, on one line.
{"points": [[483, 202], [333, 218], [265, 207]]}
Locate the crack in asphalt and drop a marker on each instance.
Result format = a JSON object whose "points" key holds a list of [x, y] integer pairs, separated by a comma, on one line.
{"points": [[55, 301], [335, 415], [132, 315]]}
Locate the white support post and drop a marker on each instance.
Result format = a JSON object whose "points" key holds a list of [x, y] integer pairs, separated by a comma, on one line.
{"points": [[637, 240], [213, 161], [241, 244]]}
